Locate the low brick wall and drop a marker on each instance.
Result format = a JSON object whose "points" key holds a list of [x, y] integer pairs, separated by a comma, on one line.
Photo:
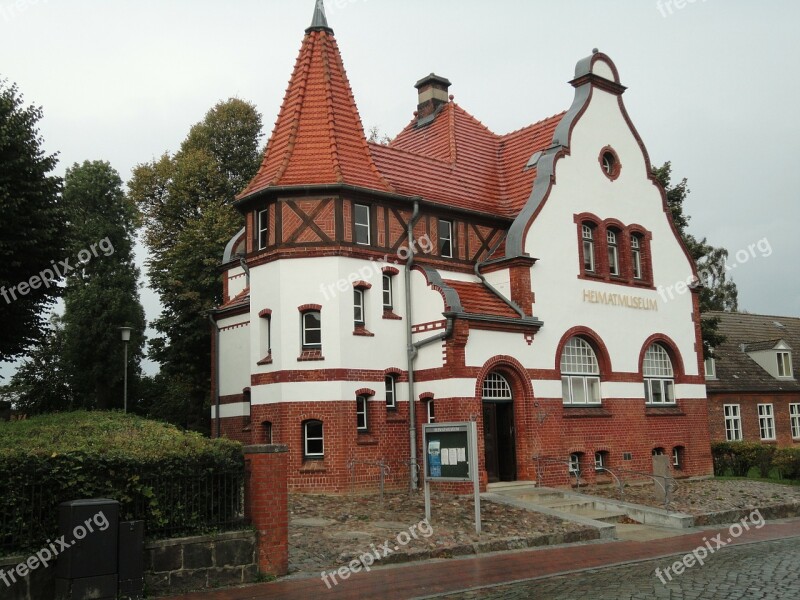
{"points": [[770, 513], [171, 566]]}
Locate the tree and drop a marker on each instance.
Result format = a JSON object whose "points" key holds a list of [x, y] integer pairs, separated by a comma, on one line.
{"points": [[717, 293], [186, 204], [31, 228], [41, 384], [102, 292]]}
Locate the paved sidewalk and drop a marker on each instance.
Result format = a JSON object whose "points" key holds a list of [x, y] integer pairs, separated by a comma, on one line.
{"points": [[443, 576]]}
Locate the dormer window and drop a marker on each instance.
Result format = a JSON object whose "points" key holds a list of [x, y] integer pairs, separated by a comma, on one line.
{"points": [[711, 368], [784, 364]]}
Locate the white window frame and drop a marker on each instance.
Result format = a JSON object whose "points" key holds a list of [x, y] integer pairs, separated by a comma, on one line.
{"points": [[613, 253], [306, 439], [390, 385], [362, 414], [587, 235], [599, 460], [263, 229], [710, 367], [732, 414], [659, 376], [676, 457], [574, 463], [636, 253], [766, 422], [794, 420], [431, 409], [446, 240], [388, 292], [658, 451], [306, 330], [580, 374], [360, 225], [784, 364], [496, 387], [358, 308]]}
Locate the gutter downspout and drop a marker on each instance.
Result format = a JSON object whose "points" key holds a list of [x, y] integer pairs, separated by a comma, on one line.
{"points": [[491, 288], [245, 268], [411, 350], [216, 370]]}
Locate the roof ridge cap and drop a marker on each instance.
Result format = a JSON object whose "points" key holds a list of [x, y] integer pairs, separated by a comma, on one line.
{"points": [[337, 167], [539, 122], [476, 120], [445, 163]]}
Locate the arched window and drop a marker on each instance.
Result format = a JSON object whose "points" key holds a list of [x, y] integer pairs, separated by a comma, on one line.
{"points": [[580, 373], [678, 459], [313, 439], [601, 460], [613, 252], [496, 387], [659, 378], [636, 256], [312, 330], [390, 383], [266, 432], [588, 248], [657, 451], [361, 413], [575, 460]]}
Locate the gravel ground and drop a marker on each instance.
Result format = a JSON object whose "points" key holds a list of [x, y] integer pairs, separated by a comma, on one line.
{"points": [[707, 496], [328, 531]]}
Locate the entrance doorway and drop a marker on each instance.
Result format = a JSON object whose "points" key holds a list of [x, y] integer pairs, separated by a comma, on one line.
{"points": [[498, 429]]}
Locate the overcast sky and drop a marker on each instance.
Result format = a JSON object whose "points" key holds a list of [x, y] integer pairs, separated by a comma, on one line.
{"points": [[713, 87]]}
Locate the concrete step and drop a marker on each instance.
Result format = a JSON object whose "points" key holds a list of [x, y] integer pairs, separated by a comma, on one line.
{"points": [[541, 497], [567, 504], [599, 515]]}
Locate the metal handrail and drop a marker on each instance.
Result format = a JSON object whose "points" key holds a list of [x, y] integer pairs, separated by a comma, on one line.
{"points": [[385, 469], [668, 485], [553, 460]]}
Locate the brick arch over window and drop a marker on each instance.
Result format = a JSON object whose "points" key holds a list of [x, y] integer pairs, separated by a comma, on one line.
{"points": [[597, 344], [672, 351], [513, 371]]}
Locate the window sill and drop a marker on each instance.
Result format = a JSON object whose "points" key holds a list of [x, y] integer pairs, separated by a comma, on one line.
{"points": [[366, 439], [663, 410], [267, 360], [361, 331], [310, 355], [572, 411], [313, 465], [389, 315]]}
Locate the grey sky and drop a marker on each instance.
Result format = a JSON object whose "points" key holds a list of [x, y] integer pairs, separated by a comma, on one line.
{"points": [[712, 86]]}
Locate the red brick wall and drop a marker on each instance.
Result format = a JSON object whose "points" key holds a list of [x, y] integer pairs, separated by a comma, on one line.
{"points": [[267, 505], [748, 409]]}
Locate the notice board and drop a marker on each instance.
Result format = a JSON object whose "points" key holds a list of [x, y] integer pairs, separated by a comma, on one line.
{"points": [[448, 452]]}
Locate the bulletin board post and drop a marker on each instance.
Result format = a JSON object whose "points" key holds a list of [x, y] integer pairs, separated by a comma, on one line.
{"points": [[451, 454]]}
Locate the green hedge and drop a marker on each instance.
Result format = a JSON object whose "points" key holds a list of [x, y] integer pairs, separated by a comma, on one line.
{"points": [[179, 483], [738, 458]]}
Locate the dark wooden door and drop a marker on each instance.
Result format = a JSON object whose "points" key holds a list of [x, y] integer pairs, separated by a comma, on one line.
{"points": [[490, 441], [506, 442]]}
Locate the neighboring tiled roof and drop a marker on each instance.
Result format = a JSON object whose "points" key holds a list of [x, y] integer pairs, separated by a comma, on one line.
{"points": [[476, 299], [457, 161], [239, 300], [736, 371], [318, 137]]}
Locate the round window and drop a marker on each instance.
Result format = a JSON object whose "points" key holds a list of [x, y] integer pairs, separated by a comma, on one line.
{"points": [[609, 162]]}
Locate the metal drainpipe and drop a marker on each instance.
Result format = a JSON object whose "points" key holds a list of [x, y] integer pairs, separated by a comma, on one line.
{"points": [[494, 290], [245, 268], [411, 350], [216, 369]]}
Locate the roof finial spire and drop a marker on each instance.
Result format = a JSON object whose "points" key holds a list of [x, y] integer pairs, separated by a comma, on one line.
{"points": [[320, 20]]}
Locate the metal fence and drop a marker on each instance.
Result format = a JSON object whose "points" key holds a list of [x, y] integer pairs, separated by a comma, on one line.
{"points": [[170, 506]]}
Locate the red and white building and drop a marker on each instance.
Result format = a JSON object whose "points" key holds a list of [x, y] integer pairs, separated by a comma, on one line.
{"points": [[458, 274]]}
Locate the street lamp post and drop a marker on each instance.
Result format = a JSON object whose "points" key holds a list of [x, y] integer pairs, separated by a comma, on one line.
{"points": [[126, 337]]}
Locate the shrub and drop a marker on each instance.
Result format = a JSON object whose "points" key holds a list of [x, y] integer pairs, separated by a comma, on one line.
{"points": [[787, 461], [179, 483]]}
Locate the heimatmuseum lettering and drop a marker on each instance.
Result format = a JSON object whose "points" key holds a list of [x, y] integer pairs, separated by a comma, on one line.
{"points": [[623, 300]]}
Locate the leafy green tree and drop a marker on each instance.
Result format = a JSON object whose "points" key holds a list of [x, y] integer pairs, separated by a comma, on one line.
{"points": [[717, 293], [102, 292], [31, 228], [186, 204], [41, 384]]}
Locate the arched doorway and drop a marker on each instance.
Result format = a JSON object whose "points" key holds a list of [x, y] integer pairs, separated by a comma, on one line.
{"points": [[498, 429]]}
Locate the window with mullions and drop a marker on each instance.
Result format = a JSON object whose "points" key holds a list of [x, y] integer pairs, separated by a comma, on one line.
{"points": [[445, 238], [613, 253], [312, 330], [659, 378], [363, 230], [636, 256], [390, 383], [766, 421], [794, 420], [495, 387], [313, 439], [388, 293], [263, 229], [733, 422], [588, 248], [358, 307], [361, 413], [784, 364], [580, 373]]}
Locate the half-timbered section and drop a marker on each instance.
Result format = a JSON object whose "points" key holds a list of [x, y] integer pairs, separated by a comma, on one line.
{"points": [[458, 274]]}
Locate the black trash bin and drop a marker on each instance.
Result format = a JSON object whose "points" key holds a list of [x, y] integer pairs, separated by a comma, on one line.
{"points": [[87, 570], [131, 560]]}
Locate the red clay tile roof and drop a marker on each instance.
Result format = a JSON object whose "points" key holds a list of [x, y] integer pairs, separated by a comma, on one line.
{"points": [[476, 299], [240, 299], [454, 160], [458, 162], [318, 137]]}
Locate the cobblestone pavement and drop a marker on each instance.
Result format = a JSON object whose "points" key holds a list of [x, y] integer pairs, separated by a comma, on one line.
{"points": [[766, 570]]}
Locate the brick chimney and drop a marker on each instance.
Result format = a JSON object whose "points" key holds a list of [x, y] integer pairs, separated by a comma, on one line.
{"points": [[433, 93]]}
